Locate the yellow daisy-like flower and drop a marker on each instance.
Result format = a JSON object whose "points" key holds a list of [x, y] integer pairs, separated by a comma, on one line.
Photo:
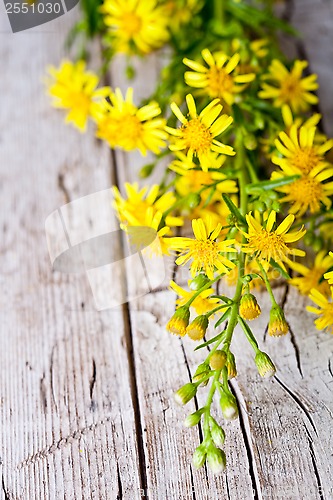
{"points": [[204, 250], [136, 25], [182, 12], [135, 206], [202, 304], [74, 88], [325, 311], [122, 124], [266, 243], [329, 276], [289, 120], [289, 87], [153, 220], [219, 79], [311, 277], [197, 134], [299, 153]]}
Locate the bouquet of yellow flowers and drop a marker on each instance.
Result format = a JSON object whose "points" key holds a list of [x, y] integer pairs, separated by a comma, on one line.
{"points": [[233, 127]]}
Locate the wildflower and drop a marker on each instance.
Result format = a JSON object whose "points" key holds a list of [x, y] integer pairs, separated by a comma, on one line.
{"points": [[329, 276], [299, 153], [134, 206], [199, 456], [311, 277], [121, 124], [75, 89], [202, 304], [135, 25], [288, 87], [267, 243], [197, 134], [140, 237], [218, 360], [216, 459], [185, 393], [277, 325], [231, 365], [179, 321], [325, 311], [194, 418], [289, 120], [265, 365], [204, 250], [228, 406], [218, 434], [220, 78], [202, 370], [197, 329], [182, 12], [249, 308]]}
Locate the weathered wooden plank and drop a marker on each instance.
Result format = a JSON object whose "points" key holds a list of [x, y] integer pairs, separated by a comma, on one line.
{"points": [[68, 426]]}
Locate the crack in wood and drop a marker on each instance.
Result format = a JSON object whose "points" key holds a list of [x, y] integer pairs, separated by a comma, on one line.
{"points": [[43, 392], [120, 485], [51, 377], [298, 402], [92, 379], [292, 335], [315, 468], [244, 423], [4, 489], [192, 485], [63, 188]]}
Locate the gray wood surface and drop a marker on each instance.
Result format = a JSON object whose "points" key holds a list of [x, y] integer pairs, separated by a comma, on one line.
{"points": [[86, 404]]}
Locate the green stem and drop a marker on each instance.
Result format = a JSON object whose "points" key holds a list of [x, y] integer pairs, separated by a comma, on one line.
{"points": [[209, 401], [217, 309], [202, 289], [267, 283], [219, 12]]}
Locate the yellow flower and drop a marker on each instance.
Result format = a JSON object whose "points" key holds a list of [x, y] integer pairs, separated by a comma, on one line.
{"points": [[197, 134], [135, 25], [289, 86], [299, 153], [182, 12], [325, 311], [179, 321], [289, 120], [202, 304], [329, 276], [135, 206], [74, 88], [277, 325], [197, 329], [249, 308], [154, 221], [219, 79], [311, 277], [123, 125], [204, 250], [266, 243]]}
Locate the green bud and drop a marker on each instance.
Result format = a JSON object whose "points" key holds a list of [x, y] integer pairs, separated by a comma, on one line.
{"points": [[265, 365], [199, 282], [130, 72], [216, 459], [202, 370], [276, 206], [199, 456], [229, 407], [231, 365], [250, 142], [197, 329], [185, 393], [146, 170], [193, 200], [317, 244], [218, 434], [260, 206], [193, 418], [277, 325]]}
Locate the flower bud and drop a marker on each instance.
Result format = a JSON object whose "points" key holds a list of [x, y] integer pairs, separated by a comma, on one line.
{"points": [[193, 200], [249, 308], [146, 170], [277, 325], [193, 418], [198, 282], [202, 370], [229, 407], [218, 360], [250, 142], [197, 329], [217, 432], [179, 321], [199, 456], [231, 365], [185, 393], [265, 365], [216, 459]]}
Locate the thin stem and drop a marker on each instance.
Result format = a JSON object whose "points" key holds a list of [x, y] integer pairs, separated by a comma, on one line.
{"points": [[209, 401], [267, 283], [202, 289]]}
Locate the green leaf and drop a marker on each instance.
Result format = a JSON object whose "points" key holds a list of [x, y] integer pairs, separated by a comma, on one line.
{"points": [[233, 209], [283, 273], [223, 318], [210, 341], [258, 187]]}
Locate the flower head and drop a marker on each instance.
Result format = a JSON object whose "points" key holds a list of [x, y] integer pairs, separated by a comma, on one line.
{"points": [[135, 25], [265, 365], [288, 87], [325, 311], [311, 277], [197, 133], [277, 325], [179, 321], [202, 304], [121, 124], [204, 250], [329, 276], [75, 89], [249, 308], [220, 78], [197, 329], [267, 243]]}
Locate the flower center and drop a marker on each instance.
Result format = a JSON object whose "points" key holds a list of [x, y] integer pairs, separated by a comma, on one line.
{"points": [[129, 130], [196, 136], [290, 88], [219, 81], [80, 101], [132, 24], [305, 160], [269, 244], [306, 190], [205, 251]]}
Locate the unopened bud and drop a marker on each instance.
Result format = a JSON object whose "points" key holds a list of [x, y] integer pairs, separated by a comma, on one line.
{"points": [[249, 308], [216, 459], [265, 365], [193, 200], [193, 418], [197, 329], [250, 142], [277, 325], [231, 365], [179, 321], [199, 456], [218, 434], [185, 393], [229, 407], [202, 370], [199, 282], [218, 360]]}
